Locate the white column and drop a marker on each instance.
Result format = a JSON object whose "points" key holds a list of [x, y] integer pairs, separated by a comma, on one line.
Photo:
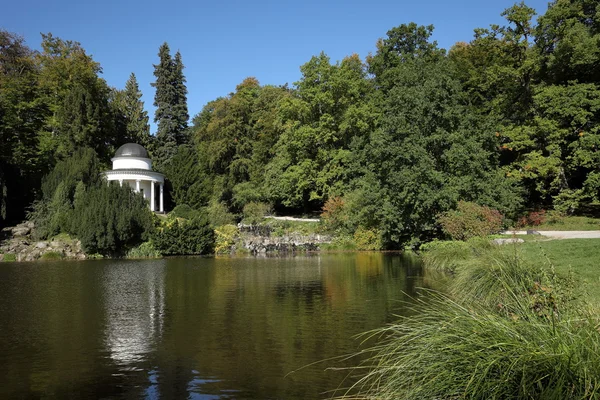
{"points": [[151, 195], [121, 182], [137, 186], [162, 207]]}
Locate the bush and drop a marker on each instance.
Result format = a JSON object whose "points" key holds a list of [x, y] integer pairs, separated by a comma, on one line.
{"points": [[367, 239], [254, 213], [568, 201], [144, 250], [533, 218], [111, 219], [185, 237], [225, 237], [183, 211], [333, 214], [219, 215], [470, 220]]}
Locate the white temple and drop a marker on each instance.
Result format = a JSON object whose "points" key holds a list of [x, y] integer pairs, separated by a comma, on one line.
{"points": [[132, 166]]}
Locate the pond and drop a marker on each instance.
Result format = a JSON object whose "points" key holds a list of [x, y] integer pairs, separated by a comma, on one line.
{"points": [[197, 328]]}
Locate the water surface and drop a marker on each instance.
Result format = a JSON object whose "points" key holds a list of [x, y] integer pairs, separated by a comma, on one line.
{"points": [[197, 328]]}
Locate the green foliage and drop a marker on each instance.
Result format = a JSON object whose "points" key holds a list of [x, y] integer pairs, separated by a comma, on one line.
{"points": [[111, 219], [184, 211], [61, 188], [509, 120], [178, 236], [170, 100], [367, 239], [470, 220], [508, 330], [218, 215], [144, 250], [130, 109], [52, 255], [255, 213], [330, 114], [189, 184], [9, 257]]}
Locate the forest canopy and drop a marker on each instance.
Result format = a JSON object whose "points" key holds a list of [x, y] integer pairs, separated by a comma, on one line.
{"points": [[509, 120]]}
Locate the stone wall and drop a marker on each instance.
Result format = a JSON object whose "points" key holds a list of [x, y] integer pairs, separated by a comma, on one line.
{"points": [[260, 239]]}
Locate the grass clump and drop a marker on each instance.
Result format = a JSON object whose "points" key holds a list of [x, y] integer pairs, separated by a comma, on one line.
{"points": [[9, 257], [52, 255], [508, 329], [449, 255], [450, 350]]}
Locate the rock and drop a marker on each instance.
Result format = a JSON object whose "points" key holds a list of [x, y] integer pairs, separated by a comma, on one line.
{"points": [[21, 230], [507, 241], [531, 232], [41, 245]]}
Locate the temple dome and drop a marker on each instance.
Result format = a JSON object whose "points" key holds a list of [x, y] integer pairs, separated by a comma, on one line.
{"points": [[131, 150]]}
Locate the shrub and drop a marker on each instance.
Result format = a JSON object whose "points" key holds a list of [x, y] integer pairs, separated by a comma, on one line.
{"points": [[144, 250], [255, 212], [568, 201], [533, 218], [183, 211], [111, 219], [367, 239], [470, 220], [185, 237], [333, 213], [225, 238], [219, 215]]}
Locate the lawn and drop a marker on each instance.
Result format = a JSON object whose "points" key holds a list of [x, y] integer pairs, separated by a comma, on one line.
{"points": [[582, 255]]}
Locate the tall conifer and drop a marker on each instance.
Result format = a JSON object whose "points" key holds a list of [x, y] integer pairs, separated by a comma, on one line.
{"points": [[171, 105], [136, 117], [181, 115]]}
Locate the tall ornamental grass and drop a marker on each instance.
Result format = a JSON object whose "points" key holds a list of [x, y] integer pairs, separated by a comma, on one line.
{"points": [[507, 330]]}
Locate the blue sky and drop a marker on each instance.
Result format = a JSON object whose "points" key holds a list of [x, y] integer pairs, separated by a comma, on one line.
{"points": [[223, 42]]}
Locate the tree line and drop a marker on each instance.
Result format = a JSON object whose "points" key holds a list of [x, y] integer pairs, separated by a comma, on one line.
{"points": [[509, 120]]}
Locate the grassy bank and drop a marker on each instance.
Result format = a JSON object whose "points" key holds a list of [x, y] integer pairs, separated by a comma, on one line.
{"points": [[514, 324], [582, 256]]}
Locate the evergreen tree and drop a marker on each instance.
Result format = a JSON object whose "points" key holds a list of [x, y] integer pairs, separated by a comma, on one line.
{"points": [[180, 109], [137, 129], [171, 105]]}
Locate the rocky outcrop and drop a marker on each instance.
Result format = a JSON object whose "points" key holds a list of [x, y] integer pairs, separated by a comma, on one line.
{"points": [[17, 243], [260, 239]]}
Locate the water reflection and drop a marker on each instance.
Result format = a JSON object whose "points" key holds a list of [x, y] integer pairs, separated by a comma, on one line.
{"points": [[134, 308], [207, 328]]}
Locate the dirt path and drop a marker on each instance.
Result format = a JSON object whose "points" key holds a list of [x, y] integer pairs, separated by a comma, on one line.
{"points": [[561, 234]]}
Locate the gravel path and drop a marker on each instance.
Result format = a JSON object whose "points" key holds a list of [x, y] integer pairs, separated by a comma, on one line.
{"points": [[294, 219], [561, 234]]}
